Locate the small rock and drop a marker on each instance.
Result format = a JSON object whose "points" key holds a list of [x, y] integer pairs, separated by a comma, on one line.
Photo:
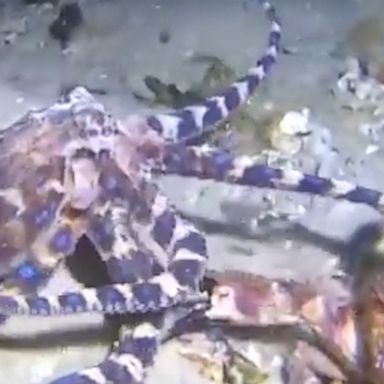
{"points": [[294, 122], [164, 36], [10, 38]]}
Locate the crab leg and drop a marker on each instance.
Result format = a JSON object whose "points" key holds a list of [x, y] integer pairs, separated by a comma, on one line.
{"points": [[216, 164], [193, 121]]}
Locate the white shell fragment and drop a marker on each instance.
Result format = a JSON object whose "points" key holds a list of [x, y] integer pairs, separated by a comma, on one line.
{"points": [[294, 122], [287, 136], [364, 88]]}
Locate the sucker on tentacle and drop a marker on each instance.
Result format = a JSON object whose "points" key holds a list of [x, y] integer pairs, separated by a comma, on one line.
{"points": [[149, 296]]}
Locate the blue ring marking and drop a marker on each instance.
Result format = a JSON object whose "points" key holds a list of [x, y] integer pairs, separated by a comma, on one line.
{"points": [[110, 296], [162, 231], [63, 241], [148, 294], [39, 304], [73, 300]]}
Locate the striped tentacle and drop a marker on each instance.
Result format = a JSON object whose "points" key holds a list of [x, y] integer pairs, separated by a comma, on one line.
{"points": [[127, 261], [193, 121], [158, 224], [216, 164], [156, 228], [187, 252], [156, 294], [127, 362]]}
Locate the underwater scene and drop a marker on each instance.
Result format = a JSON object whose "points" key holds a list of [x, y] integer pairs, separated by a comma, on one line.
{"points": [[191, 191]]}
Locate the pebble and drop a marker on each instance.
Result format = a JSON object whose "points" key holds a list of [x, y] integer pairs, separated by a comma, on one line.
{"points": [[164, 36]]}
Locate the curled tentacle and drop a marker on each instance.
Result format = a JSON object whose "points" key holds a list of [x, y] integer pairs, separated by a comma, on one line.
{"points": [[193, 121], [127, 261], [125, 364], [187, 252]]}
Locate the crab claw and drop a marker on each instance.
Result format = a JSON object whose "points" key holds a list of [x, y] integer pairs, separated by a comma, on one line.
{"points": [[257, 301]]}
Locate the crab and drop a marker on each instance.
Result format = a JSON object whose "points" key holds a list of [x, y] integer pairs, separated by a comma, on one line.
{"points": [[71, 170], [323, 323]]}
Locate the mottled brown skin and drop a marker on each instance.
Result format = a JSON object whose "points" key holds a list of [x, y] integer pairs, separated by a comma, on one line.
{"points": [[241, 299], [32, 178], [53, 175], [256, 300], [41, 178]]}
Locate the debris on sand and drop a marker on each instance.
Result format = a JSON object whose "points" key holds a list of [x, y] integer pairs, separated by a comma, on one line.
{"points": [[69, 19]]}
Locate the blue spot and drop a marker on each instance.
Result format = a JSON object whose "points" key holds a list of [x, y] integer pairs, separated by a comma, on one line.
{"points": [[72, 300], [110, 183], [62, 241], [274, 39], [222, 159], [27, 271], [252, 81], [260, 176], [113, 372], [267, 61], [43, 217], [232, 98], [101, 232], [38, 304], [186, 272], [163, 228], [115, 184], [314, 184], [155, 124], [221, 163], [186, 127], [193, 242], [364, 195], [110, 296], [136, 266], [148, 295], [213, 114], [145, 347]]}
